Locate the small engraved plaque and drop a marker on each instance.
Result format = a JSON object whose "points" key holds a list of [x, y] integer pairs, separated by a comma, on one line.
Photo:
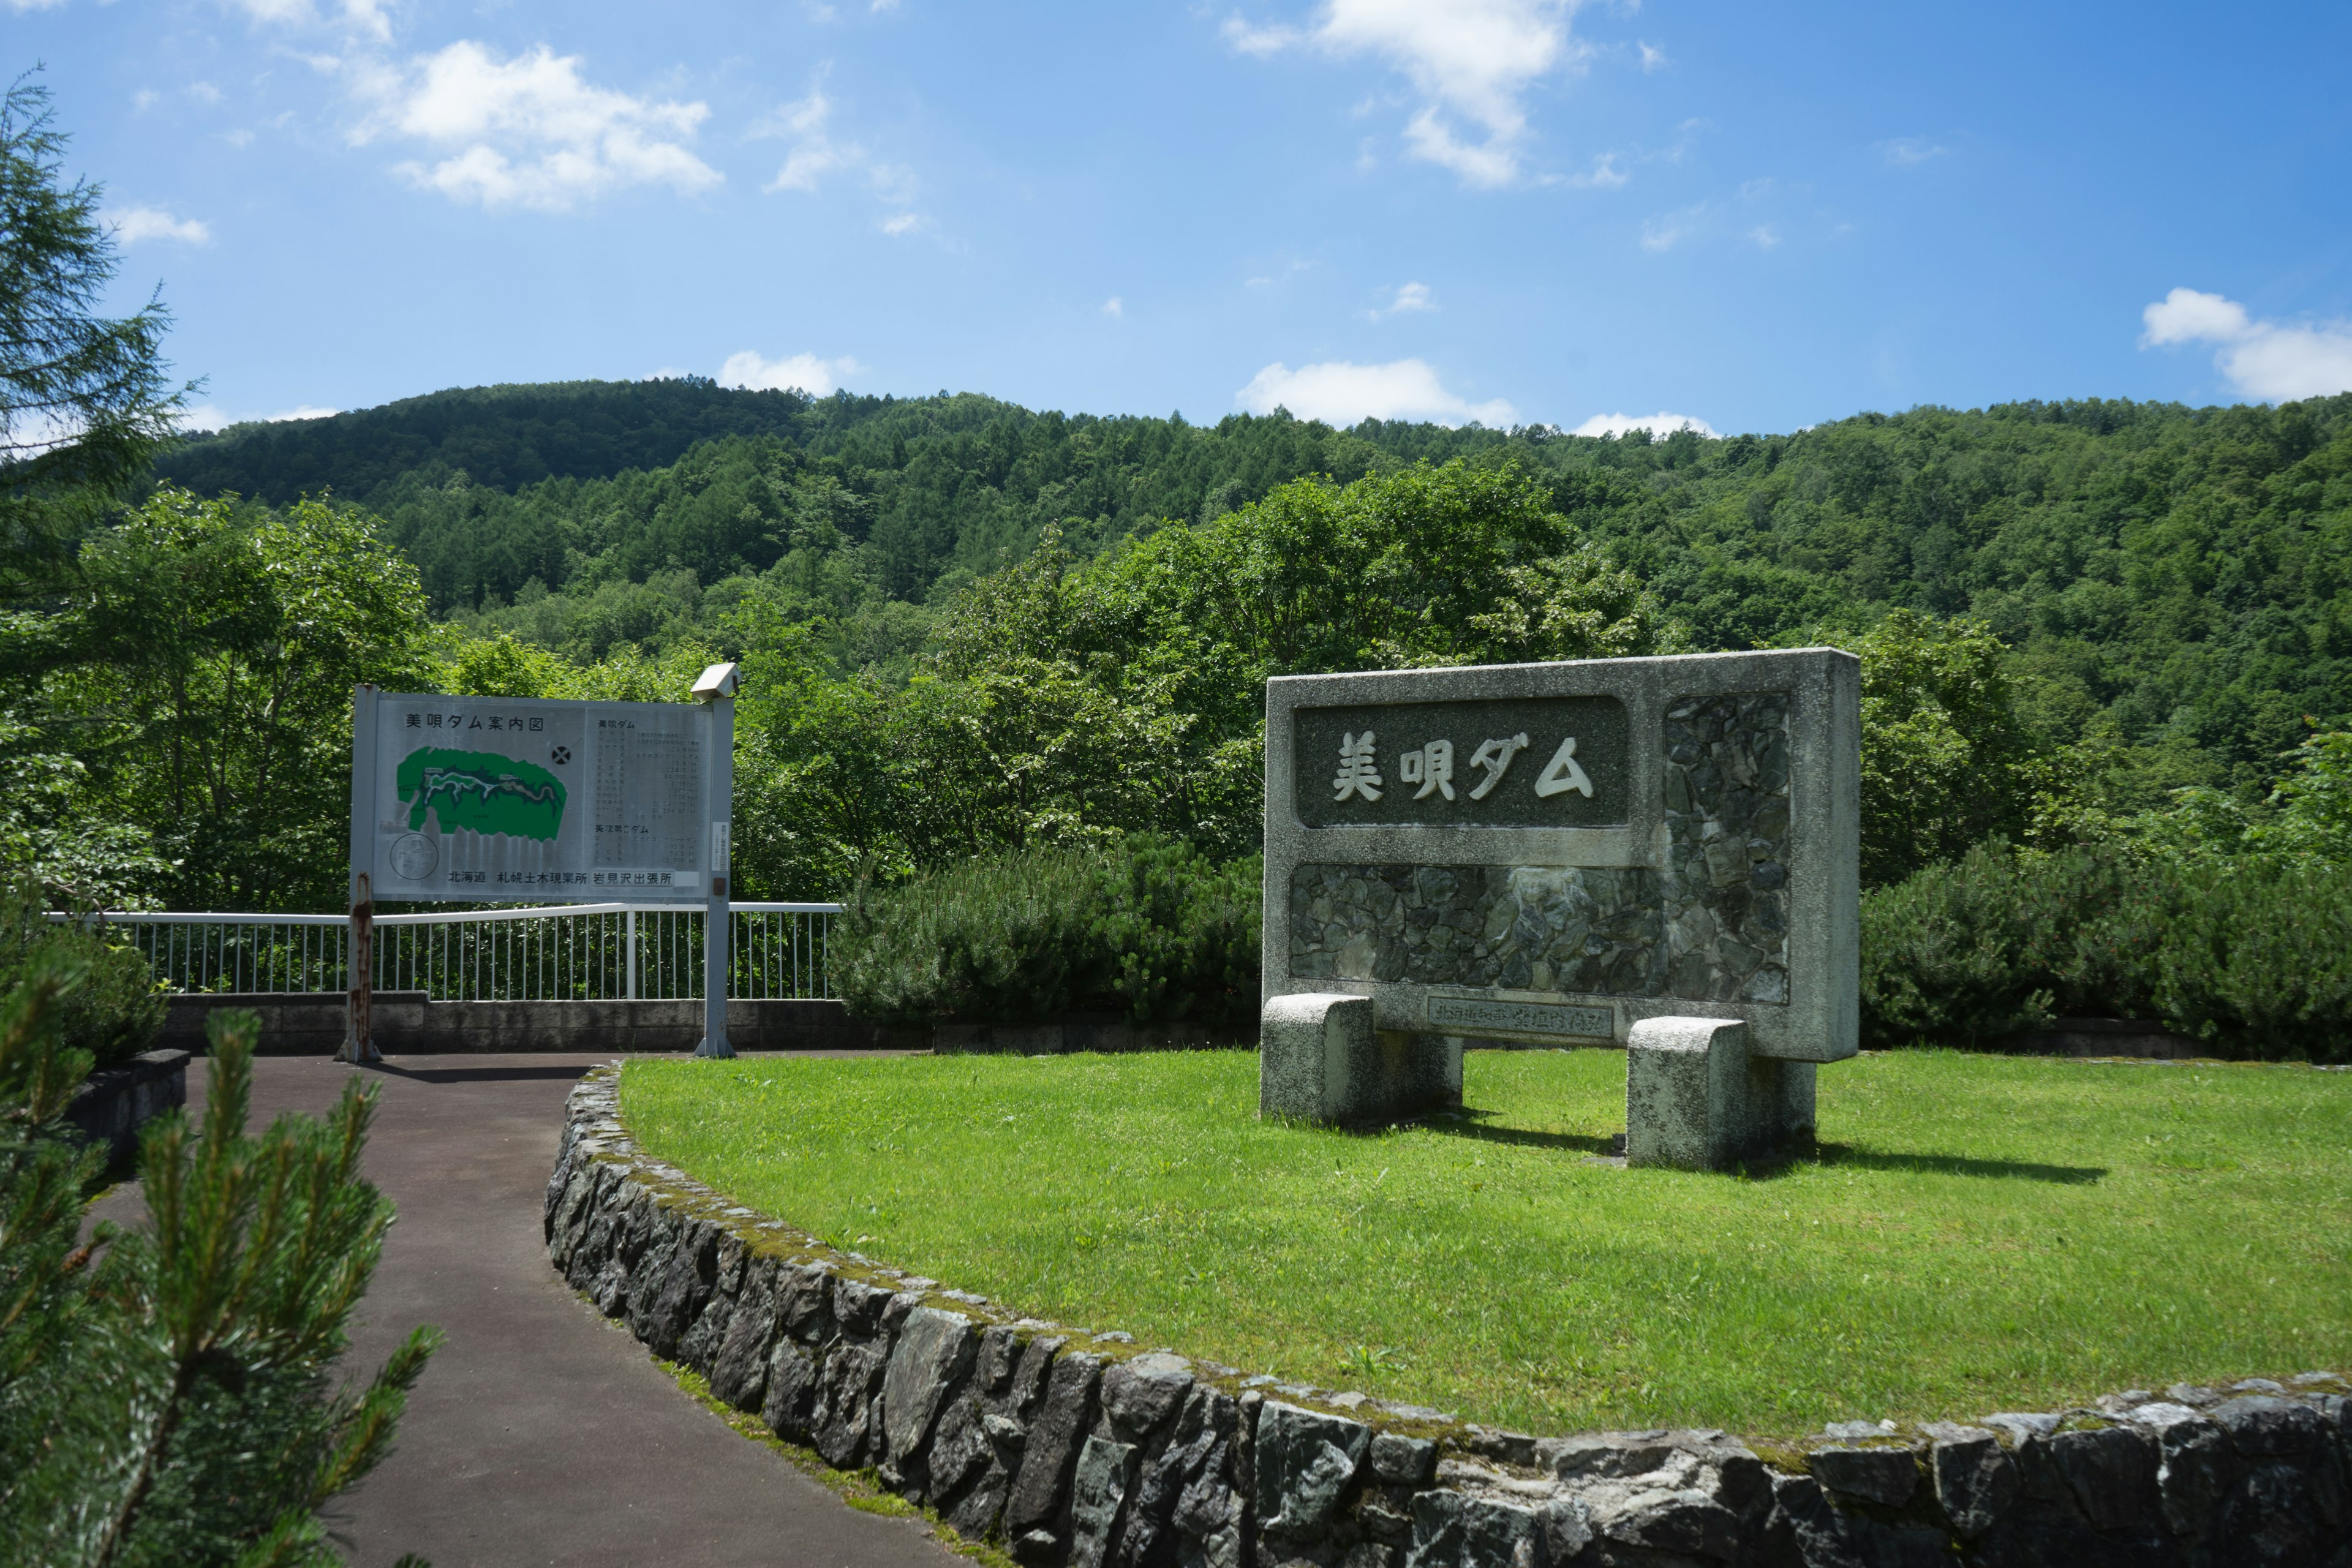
{"points": [[1469, 1014]]}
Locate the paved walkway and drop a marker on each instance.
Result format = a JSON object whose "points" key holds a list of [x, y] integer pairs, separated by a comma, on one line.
{"points": [[540, 1434]]}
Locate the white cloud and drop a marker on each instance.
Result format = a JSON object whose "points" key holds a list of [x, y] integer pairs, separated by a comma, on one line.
{"points": [[134, 225], [145, 97], [1659, 424], [2266, 360], [1670, 229], [1410, 297], [1653, 57], [1605, 176], [364, 17], [1113, 309], [1472, 61], [881, 7], [804, 373], [209, 417], [1340, 393], [1909, 152], [2186, 316], [33, 5], [815, 155], [892, 182], [530, 131], [1765, 235]]}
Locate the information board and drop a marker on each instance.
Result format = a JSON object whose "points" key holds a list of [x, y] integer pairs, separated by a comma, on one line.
{"points": [[494, 799]]}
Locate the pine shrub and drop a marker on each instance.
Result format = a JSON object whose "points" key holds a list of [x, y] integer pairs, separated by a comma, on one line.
{"points": [[1153, 929], [168, 1393], [2250, 955]]}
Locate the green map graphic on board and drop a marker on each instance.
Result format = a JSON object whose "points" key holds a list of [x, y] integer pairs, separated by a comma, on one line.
{"points": [[481, 791]]}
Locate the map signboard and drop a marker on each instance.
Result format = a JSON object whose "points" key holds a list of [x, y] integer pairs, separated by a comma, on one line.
{"points": [[494, 799]]}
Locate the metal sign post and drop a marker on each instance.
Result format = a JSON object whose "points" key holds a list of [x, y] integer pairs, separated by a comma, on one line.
{"points": [[359, 1037], [717, 689]]}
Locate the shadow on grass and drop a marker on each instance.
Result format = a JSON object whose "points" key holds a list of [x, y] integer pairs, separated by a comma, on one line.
{"points": [[1467, 1123], [1925, 1166]]}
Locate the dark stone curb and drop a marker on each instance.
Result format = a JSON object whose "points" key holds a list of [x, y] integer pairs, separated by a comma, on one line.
{"points": [[1076, 1448], [112, 1106]]}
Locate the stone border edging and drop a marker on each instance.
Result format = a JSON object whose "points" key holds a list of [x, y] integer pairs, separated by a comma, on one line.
{"points": [[1078, 1449], [115, 1102]]}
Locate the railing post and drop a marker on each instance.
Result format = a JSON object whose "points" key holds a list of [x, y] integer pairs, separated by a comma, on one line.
{"points": [[629, 941]]}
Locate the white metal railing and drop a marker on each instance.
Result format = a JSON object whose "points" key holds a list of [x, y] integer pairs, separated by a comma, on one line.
{"points": [[554, 951]]}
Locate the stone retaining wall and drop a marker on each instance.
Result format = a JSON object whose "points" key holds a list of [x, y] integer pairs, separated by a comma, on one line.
{"points": [[1086, 1449], [116, 1102]]}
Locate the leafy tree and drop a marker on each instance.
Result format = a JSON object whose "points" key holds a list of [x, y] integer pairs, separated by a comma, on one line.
{"points": [[1069, 703], [85, 401], [205, 663], [113, 1011], [55, 831], [1945, 760], [2307, 818]]}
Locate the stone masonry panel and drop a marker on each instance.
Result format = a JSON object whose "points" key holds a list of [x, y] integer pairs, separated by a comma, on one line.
{"points": [[1522, 927], [1726, 787], [1712, 927]]}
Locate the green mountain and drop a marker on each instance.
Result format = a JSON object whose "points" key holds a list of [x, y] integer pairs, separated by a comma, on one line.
{"points": [[2182, 577]]}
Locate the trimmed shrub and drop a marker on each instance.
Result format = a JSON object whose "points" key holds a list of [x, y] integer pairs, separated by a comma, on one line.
{"points": [[114, 1012], [2251, 955], [1153, 929], [2259, 959]]}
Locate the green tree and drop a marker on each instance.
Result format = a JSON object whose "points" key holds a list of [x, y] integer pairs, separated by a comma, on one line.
{"points": [[206, 662], [1945, 760], [85, 401]]}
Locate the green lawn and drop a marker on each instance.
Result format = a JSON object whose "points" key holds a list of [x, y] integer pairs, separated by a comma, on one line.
{"points": [[1979, 1233]]}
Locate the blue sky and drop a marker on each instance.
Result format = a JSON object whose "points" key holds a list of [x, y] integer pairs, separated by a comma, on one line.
{"points": [[1513, 210]]}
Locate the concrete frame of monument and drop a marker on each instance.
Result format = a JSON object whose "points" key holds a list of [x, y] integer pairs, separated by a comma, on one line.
{"points": [[1721, 1062]]}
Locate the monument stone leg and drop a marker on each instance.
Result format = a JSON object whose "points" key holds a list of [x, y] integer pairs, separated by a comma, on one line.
{"points": [[1320, 1058], [1697, 1099]]}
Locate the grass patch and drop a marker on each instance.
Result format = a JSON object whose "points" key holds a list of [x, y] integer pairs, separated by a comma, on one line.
{"points": [[1977, 1233]]}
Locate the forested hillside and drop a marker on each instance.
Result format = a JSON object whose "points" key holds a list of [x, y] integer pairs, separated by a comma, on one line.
{"points": [[2180, 578]]}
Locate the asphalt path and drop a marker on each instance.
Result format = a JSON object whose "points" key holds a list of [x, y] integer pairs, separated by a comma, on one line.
{"points": [[540, 1433]]}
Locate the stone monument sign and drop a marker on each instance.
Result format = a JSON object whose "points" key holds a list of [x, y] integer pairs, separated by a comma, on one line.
{"points": [[1657, 853]]}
